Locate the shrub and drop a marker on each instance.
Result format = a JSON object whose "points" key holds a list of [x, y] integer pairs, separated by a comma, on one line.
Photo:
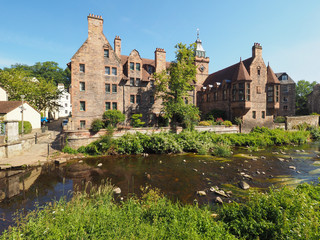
{"points": [[113, 117], [27, 127], [204, 123], [227, 123], [219, 121], [163, 122], [215, 113], [136, 121], [222, 150], [67, 149], [280, 119], [314, 113], [96, 125]]}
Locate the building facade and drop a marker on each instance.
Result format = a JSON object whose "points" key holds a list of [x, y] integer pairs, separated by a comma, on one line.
{"points": [[288, 95], [314, 100], [248, 90]]}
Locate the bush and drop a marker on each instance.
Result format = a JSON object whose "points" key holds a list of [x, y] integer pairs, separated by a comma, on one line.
{"points": [[280, 119], [227, 123], [67, 149], [204, 123], [221, 150], [136, 121], [113, 117], [214, 114], [27, 127], [96, 125], [219, 121]]}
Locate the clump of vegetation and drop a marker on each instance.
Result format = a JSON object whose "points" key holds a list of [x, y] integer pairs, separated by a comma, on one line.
{"points": [[227, 123], [136, 121], [214, 114], [221, 150], [68, 149], [113, 117], [27, 127], [96, 125], [280, 119], [219, 121], [204, 123]]}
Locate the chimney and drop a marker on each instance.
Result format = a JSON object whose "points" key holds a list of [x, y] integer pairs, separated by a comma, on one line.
{"points": [[95, 26], [160, 59], [117, 46], [256, 50]]}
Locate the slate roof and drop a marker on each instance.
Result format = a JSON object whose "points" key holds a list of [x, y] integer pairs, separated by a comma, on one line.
{"points": [[241, 73], [8, 106], [227, 73], [290, 80], [271, 77]]}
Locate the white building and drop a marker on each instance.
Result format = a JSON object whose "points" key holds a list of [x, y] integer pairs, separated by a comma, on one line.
{"points": [[11, 110], [3, 95], [64, 103]]}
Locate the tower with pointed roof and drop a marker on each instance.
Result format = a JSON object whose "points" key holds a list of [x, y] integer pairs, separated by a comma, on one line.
{"points": [[201, 61]]}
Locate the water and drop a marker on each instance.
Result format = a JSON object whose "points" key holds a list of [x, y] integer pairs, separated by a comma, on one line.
{"points": [[177, 176]]}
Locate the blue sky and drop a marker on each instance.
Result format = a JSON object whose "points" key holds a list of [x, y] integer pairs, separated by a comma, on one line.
{"points": [[289, 32]]}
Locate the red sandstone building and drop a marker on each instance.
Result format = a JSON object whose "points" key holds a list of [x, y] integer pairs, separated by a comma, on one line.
{"points": [[102, 79]]}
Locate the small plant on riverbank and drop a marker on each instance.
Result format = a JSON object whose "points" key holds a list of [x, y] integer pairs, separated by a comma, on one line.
{"points": [[113, 117], [221, 150], [27, 127], [204, 123], [227, 123], [96, 125], [136, 121]]}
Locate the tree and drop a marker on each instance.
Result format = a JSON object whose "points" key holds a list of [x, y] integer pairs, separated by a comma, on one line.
{"points": [[113, 117], [40, 94], [303, 88], [173, 87]]}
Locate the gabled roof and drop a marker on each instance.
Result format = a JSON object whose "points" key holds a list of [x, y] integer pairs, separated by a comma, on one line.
{"points": [[241, 73], [271, 77], [227, 73], [8, 106], [289, 80]]}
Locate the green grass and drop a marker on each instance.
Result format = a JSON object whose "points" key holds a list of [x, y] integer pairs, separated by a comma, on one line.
{"points": [[280, 214]]}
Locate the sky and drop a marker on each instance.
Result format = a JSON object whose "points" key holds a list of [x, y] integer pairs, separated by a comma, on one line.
{"points": [[288, 30]]}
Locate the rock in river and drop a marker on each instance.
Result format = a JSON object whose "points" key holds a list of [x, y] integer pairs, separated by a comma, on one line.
{"points": [[244, 185], [201, 193], [117, 190], [219, 200]]}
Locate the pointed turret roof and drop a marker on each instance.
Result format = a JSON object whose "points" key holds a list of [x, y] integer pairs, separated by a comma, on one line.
{"points": [[200, 52], [271, 77], [241, 73]]}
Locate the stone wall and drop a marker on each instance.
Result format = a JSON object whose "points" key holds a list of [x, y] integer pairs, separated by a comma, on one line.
{"points": [[80, 138], [313, 120]]}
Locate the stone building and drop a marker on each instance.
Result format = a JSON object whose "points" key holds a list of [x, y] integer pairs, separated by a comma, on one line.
{"points": [[314, 100], [248, 90], [288, 95], [102, 79]]}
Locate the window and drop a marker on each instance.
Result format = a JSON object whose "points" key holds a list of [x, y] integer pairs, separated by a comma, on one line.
{"points": [[150, 69], [107, 70], [66, 104], [207, 97], [270, 93], [114, 88], [263, 114], [285, 107], [241, 91], [138, 99], [254, 114], [277, 93], [131, 66], [152, 99], [285, 99], [215, 97], [224, 94], [131, 82], [234, 91], [259, 90], [138, 81], [152, 83], [138, 66], [106, 53], [67, 97], [107, 88], [82, 105], [114, 71], [108, 106], [114, 106], [65, 111], [82, 87], [248, 91], [131, 98], [258, 72], [284, 77], [285, 89], [82, 124], [82, 68]]}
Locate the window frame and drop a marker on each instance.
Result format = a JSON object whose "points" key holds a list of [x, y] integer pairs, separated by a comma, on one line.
{"points": [[114, 71], [82, 67], [105, 88], [114, 88], [82, 87], [82, 106], [131, 67], [107, 70]]}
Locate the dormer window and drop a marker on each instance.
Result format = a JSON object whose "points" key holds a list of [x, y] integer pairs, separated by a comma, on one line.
{"points": [[284, 77], [106, 53], [150, 69]]}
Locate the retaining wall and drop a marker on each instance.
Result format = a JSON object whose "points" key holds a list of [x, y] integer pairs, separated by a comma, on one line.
{"points": [[312, 120]]}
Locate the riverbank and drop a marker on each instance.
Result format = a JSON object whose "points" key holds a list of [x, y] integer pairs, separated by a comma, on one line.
{"points": [[279, 214]]}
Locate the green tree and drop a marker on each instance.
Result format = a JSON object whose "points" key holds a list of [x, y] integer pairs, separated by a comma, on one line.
{"points": [[136, 121], [303, 88], [113, 117], [40, 94], [173, 87]]}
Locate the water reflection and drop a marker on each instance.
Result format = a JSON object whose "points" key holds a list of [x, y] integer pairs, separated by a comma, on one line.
{"points": [[177, 176]]}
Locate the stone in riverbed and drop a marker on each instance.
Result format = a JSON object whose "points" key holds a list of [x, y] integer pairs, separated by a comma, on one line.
{"points": [[219, 200], [99, 165], [201, 193], [247, 176], [244, 185], [117, 190], [292, 167], [281, 159], [263, 157], [221, 193]]}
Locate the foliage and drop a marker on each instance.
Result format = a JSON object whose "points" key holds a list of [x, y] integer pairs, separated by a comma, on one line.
{"points": [[27, 127], [173, 87], [303, 88], [315, 132], [113, 117], [100, 147], [204, 123], [136, 121], [41, 94], [280, 119], [96, 125], [227, 123], [219, 121], [214, 114], [98, 215], [314, 113], [163, 121], [238, 121], [68, 149], [222, 150]]}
